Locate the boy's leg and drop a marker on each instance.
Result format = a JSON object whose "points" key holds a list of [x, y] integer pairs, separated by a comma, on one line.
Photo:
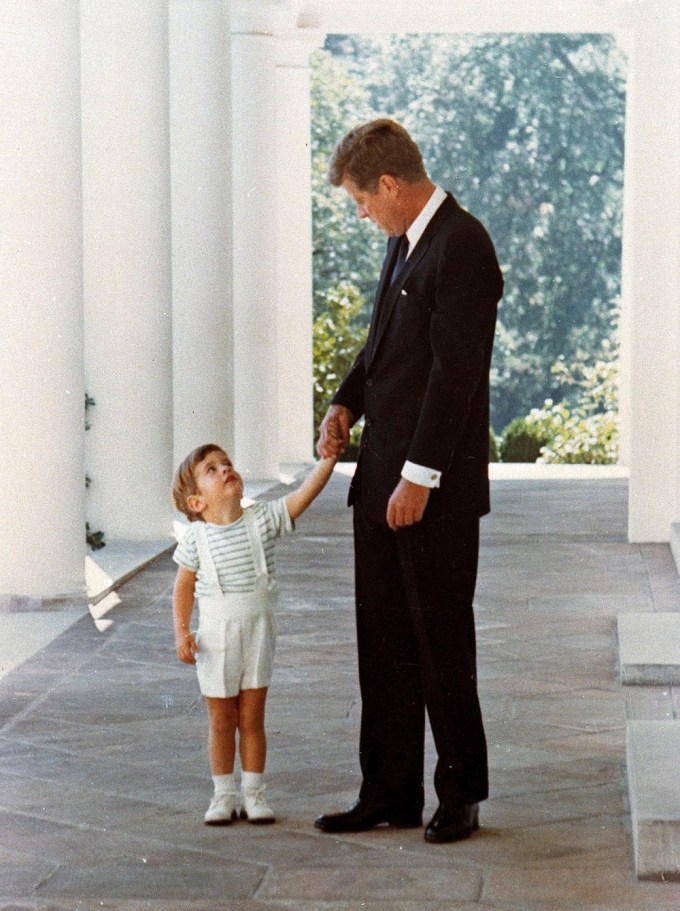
{"points": [[222, 725], [253, 750], [252, 737]]}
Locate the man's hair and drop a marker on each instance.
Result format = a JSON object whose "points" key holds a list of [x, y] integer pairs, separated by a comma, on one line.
{"points": [[368, 151], [184, 482]]}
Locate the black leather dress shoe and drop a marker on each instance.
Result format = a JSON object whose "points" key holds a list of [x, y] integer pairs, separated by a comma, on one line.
{"points": [[363, 816], [453, 825]]}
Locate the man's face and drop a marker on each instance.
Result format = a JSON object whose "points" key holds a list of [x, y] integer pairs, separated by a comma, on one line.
{"points": [[382, 206]]}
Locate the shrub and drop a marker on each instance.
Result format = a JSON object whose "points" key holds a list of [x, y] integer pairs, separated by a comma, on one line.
{"points": [[338, 337], [578, 438], [493, 446], [587, 432], [522, 441], [582, 429]]}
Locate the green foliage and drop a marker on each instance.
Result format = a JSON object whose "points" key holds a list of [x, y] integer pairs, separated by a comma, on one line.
{"points": [[338, 337], [586, 433], [89, 403], [527, 132], [344, 248], [580, 429], [522, 440], [494, 454], [94, 539]]}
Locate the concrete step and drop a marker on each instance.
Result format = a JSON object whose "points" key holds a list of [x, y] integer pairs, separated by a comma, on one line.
{"points": [[649, 649], [653, 751]]}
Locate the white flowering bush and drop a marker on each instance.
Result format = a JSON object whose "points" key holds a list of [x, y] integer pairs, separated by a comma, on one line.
{"points": [[587, 432]]}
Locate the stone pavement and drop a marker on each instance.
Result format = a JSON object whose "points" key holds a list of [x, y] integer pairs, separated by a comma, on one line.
{"points": [[103, 772]]}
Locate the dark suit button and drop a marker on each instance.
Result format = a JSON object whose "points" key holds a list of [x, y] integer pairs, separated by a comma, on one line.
{"points": [[369, 382], [367, 422]]}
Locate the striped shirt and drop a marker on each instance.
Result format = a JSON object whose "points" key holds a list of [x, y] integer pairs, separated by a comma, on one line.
{"points": [[230, 547]]}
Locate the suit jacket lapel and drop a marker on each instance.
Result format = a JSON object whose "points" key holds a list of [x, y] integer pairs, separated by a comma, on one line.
{"points": [[386, 272], [387, 297]]}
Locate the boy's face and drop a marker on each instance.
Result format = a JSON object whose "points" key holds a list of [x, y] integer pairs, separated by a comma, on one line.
{"points": [[217, 481]]}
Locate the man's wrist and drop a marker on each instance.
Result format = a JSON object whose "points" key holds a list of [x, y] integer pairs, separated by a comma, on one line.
{"points": [[420, 474]]}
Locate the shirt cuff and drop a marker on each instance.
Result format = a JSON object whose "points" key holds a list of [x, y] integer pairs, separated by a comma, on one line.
{"points": [[419, 474]]}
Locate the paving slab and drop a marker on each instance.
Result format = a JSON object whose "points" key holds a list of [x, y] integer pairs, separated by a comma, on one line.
{"points": [[649, 648], [24, 634], [103, 770], [654, 789]]}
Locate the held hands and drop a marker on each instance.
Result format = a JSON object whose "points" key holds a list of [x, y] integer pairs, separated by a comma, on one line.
{"points": [[407, 504], [334, 432], [186, 648]]}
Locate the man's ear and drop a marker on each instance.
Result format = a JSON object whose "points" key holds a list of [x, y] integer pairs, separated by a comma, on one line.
{"points": [[196, 503], [389, 183]]}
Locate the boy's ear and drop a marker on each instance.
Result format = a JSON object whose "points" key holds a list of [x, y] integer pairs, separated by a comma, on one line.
{"points": [[196, 503]]}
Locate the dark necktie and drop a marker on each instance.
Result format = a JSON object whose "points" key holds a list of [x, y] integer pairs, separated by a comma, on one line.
{"points": [[401, 258], [402, 253]]}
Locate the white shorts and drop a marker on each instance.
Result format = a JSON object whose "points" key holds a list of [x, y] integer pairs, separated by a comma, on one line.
{"points": [[236, 640]]}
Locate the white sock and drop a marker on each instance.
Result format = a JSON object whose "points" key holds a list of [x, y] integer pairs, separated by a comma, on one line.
{"points": [[224, 784], [250, 780]]}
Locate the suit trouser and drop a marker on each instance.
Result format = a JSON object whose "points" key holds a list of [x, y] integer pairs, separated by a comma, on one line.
{"points": [[417, 651]]}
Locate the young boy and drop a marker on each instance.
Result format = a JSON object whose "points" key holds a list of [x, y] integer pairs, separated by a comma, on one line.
{"points": [[226, 561]]}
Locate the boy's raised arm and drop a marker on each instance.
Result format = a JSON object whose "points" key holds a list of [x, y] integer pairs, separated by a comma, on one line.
{"points": [[311, 487]]}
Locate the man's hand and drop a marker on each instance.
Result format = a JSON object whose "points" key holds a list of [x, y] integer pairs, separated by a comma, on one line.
{"points": [[334, 432], [407, 504]]}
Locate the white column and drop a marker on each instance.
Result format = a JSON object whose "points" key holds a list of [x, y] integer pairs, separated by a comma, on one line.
{"points": [[651, 275], [294, 248], [200, 142], [127, 264], [255, 197], [42, 520], [625, 38]]}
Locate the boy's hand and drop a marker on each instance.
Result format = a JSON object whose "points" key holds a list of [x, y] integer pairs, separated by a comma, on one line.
{"points": [[187, 648]]}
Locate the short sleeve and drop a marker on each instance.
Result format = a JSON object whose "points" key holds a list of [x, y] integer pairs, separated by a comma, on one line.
{"points": [[186, 552], [277, 517]]}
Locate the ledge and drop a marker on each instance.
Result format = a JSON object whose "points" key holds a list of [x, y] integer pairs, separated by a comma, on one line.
{"points": [[675, 543], [649, 648], [524, 471], [109, 567], [653, 748]]}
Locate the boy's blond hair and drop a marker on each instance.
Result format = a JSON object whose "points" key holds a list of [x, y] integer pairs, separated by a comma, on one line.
{"points": [[184, 483]]}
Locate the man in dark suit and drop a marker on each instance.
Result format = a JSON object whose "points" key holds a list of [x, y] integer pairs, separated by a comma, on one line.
{"points": [[421, 383]]}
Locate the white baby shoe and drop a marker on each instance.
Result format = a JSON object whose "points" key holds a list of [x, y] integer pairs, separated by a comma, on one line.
{"points": [[222, 810], [254, 807]]}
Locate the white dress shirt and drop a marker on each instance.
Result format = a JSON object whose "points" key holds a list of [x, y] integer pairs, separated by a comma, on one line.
{"points": [[420, 474]]}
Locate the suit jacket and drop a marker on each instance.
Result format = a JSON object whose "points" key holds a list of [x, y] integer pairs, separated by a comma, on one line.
{"points": [[422, 379]]}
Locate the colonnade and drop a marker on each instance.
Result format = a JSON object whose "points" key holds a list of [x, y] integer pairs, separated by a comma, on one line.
{"points": [[141, 222], [156, 251]]}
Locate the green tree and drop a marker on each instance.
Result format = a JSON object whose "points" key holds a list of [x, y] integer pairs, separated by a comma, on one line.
{"points": [[338, 335], [527, 131], [344, 248]]}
